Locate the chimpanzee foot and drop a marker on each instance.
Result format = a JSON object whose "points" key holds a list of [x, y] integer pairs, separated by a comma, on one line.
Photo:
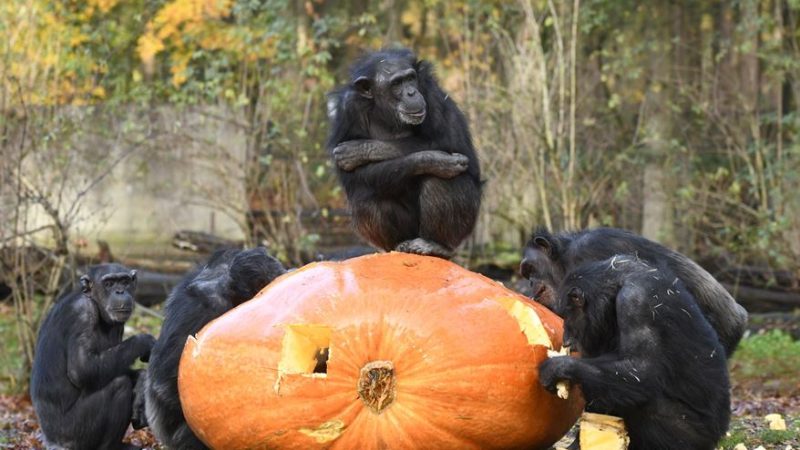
{"points": [[422, 246]]}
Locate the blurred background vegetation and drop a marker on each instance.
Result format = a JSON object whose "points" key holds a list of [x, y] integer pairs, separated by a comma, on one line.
{"points": [[678, 120]]}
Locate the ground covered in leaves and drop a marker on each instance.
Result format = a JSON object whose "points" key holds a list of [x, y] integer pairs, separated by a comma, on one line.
{"points": [[765, 374]]}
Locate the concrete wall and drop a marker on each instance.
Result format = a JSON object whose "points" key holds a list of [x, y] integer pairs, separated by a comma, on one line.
{"points": [[188, 175]]}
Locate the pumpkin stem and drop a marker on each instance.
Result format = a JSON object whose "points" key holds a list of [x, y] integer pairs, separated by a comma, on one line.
{"points": [[376, 385]]}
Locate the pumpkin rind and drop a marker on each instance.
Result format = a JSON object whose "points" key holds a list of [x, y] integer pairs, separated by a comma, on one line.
{"points": [[456, 345]]}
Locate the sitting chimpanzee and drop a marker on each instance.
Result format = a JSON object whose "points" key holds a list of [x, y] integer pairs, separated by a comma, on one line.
{"points": [[648, 354], [547, 257], [404, 154], [82, 383], [229, 278]]}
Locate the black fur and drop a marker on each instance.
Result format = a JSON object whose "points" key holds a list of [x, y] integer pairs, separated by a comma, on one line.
{"points": [[229, 278], [648, 354], [411, 186], [547, 257], [81, 383]]}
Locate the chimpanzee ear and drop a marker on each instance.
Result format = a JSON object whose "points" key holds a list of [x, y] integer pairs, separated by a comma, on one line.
{"points": [[363, 86], [544, 243], [133, 276], [86, 284]]}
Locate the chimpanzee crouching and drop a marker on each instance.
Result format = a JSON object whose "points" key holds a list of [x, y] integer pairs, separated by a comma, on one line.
{"points": [[82, 384], [648, 354], [404, 155], [229, 278]]}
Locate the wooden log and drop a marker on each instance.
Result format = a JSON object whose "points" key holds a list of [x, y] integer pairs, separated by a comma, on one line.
{"points": [[756, 296], [201, 242], [153, 288]]}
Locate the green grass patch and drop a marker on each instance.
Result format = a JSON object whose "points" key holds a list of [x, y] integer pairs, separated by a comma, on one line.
{"points": [[735, 436], [753, 431], [772, 355]]}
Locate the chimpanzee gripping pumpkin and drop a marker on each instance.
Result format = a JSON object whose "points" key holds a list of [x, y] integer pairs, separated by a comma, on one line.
{"points": [[393, 351]]}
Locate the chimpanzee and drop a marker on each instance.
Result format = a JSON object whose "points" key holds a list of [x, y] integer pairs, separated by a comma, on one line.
{"points": [[229, 278], [404, 155], [547, 257], [648, 354], [82, 382]]}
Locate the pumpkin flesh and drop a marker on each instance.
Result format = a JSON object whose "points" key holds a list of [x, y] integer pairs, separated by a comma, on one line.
{"points": [[382, 351]]}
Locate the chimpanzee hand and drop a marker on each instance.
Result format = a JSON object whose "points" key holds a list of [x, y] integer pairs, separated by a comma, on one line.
{"points": [[440, 164], [555, 369], [144, 343], [351, 155]]}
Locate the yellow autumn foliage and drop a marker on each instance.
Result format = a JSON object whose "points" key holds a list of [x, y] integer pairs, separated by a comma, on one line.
{"points": [[183, 26], [42, 61]]}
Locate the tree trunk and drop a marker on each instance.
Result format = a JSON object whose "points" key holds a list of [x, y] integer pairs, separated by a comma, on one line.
{"points": [[657, 211]]}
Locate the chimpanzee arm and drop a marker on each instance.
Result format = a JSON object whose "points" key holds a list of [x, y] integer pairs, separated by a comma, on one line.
{"points": [[607, 382], [87, 366], [350, 155], [622, 379], [388, 177]]}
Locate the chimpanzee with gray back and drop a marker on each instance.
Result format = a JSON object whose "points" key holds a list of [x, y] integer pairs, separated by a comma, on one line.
{"points": [[404, 155], [82, 384], [229, 278], [548, 257]]}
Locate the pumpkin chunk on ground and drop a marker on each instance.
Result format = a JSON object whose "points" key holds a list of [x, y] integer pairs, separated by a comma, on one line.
{"points": [[602, 432]]}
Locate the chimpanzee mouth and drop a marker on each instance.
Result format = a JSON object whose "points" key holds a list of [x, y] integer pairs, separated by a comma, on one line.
{"points": [[412, 118]]}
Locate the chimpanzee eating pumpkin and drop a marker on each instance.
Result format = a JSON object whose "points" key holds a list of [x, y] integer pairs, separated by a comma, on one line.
{"points": [[228, 278], [648, 354]]}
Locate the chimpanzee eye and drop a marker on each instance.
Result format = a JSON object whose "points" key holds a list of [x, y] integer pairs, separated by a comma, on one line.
{"points": [[108, 284]]}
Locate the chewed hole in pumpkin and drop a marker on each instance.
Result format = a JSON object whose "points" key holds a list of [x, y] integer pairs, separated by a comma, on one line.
{"points": [[528, 320], [322, 360], [305, 350]]}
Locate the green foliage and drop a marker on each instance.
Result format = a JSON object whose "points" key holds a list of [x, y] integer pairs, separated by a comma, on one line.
{"points": [[773, 355]]}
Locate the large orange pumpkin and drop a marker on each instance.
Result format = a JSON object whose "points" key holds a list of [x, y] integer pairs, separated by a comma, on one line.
{"points": [[421, 353]]}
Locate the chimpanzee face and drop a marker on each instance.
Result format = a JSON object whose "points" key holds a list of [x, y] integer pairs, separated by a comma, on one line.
{"points": [[587, 305], [544, 273], [394, 87], [112, 293]]}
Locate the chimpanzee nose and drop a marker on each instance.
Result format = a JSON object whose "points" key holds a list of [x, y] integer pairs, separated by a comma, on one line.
{"points": [[119, 291], [411, 92]]}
